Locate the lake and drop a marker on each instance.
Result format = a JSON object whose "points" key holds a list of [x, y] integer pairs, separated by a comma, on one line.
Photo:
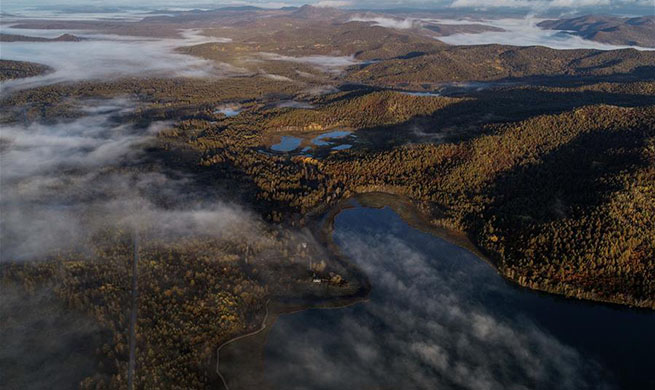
{"points": [[287, 144], [290, 143], [438, 317], [323, 139]]}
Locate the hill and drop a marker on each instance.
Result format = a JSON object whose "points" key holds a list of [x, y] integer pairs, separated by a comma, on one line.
{"points": [[499, 62], [639, 31], [25, 38], [19, 69]]}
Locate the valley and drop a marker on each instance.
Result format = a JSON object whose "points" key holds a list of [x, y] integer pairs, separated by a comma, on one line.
{"points": [[242, 148]]}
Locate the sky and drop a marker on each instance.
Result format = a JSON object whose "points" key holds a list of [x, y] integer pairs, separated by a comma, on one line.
{"points": [[634, 7]]}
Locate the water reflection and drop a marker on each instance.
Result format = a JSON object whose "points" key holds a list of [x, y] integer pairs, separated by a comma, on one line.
{"points": [[290, 143], [439, 318], [342, 147], [321, 140], [228, 110], [287, 144], [421, 93]]}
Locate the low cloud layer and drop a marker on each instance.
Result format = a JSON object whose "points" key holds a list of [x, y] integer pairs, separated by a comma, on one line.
{"points": [[523, 32], [398, 23], [423, 328], [102, 56], [62, 182], [325, 63], [517, 31], [41, 335], [546, 4]]}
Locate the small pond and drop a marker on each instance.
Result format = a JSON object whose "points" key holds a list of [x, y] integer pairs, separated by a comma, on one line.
{"points": [[287, 144], [228, 111], [321, 140]]}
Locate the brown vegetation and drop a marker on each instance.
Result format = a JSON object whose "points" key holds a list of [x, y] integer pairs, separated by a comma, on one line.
{"points": [[636, 31], [547, 197], [497, 62], [19, 69]]}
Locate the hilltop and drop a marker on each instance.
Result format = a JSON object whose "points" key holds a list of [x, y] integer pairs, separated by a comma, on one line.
{"points": [[639, 31]]}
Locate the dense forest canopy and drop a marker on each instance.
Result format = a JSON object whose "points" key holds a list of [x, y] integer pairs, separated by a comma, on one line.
{"points": [[541, 160]]}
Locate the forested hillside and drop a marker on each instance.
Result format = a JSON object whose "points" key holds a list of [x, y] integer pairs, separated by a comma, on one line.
{"points": [[497, 62], [19, 69], [559, 202]]}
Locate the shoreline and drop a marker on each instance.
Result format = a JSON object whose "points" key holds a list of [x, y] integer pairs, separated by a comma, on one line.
{"points": [[411, 214], [321, 224], [235, 339]]}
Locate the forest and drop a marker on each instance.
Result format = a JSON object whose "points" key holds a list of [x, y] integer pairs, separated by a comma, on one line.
{"points": [[549, 198], [552, 183], [507, 63], [194, 294], [543, 159], [20, 69]]}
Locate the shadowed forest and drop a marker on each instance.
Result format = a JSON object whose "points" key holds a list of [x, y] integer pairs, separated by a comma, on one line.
{"points": [[541, 160]]}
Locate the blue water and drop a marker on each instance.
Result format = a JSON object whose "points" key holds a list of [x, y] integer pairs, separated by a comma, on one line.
{"points": [[342, 147], [440, 318], [287, 144], [228, 112], [321, 139], [421, 93]]}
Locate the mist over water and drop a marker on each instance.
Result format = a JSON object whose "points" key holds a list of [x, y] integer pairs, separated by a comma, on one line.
{"points": [[107, 57], [334, 64], [439, 318], [517, 32], [524, 32], [42, 340]]}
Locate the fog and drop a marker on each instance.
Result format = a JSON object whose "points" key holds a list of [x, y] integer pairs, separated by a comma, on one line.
{"points": [[333, 64], [294, 104], [42, 339], [124, 15], [65, 180], [62, 182], [437, 318], [518, 32], [106, 57], [523, 32], [402, 23], [321, 90]]}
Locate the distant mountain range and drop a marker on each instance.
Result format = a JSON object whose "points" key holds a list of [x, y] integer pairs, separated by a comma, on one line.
{"points": [[639, 31], [319, 13], [25, 38]]}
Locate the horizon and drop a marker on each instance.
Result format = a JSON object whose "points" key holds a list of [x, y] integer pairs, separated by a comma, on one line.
{"points": [[546, 8], [467, 186]]}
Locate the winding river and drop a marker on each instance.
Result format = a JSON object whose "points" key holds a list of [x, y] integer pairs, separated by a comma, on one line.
{"points": [[440, 318]]}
